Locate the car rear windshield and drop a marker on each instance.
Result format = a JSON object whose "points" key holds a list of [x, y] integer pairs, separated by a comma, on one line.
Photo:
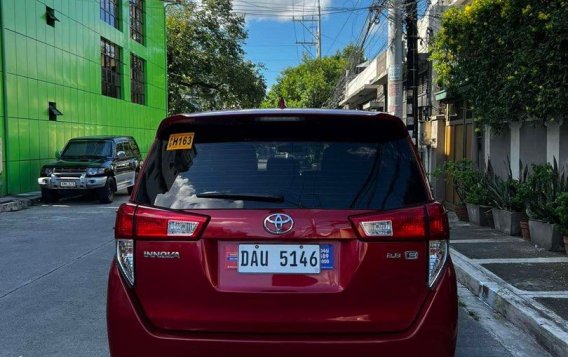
{"points": [[242, 171]]}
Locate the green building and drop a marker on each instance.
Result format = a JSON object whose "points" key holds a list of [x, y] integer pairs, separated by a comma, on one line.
{"points": [[73, 68]]}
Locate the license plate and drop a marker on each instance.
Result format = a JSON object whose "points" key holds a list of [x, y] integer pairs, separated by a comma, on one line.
{"points": [[279, 258], [67, 184]]}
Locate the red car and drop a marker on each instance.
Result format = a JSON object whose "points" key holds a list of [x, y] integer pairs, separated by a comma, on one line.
{"points": [[282, 233]]}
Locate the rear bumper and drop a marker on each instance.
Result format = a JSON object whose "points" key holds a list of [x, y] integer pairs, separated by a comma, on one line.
{"points": [[432, 334]]}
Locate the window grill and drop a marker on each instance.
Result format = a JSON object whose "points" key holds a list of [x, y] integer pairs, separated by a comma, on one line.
{"points": [[110, 11], [138, 82], [137, 20], [111, 69]]}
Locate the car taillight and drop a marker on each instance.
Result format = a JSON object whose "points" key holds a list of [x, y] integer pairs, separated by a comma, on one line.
{"points": [[438, 249], [428, 222], [407, 223], [124, 224], [438, 254], [125, 258], [153, 223], [123, 232], [139, 223]]}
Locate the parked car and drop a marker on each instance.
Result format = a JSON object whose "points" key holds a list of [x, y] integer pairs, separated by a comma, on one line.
{"points": [[101, 164], [343, 252]]}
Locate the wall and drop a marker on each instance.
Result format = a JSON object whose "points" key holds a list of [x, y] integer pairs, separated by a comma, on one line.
{"points": [[563, 160], [500, 151], [62, 64], [368, 76], [533, 143], [529, 145], [2, 141]]}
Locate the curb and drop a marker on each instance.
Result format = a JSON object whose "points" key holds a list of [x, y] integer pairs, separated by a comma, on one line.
{"points": [[546, 329], [12, 204]]}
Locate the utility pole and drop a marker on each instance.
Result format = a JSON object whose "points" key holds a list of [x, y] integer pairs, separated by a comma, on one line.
{"points": [[394, 59], [412, 68], [319, 31], [313, 27]]}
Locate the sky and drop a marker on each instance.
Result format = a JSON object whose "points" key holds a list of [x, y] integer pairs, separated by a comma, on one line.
{"points": [[273, 33]]}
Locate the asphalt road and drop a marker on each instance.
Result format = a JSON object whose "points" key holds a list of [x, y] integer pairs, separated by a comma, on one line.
{"points": [[53, 273]]}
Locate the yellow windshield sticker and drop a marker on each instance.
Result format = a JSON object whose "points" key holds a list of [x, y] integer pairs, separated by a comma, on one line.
{"points": [[181, 141]]}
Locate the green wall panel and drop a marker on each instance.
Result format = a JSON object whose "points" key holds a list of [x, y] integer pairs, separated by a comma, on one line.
{"points": [[62, 64], [2, 134]]}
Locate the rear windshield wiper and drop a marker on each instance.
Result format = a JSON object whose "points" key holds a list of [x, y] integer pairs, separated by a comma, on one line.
{"points": [[241, 196]]}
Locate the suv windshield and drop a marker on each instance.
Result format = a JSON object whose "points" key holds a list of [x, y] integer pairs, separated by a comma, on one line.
{"points": [[87, 148], [283, 174]]}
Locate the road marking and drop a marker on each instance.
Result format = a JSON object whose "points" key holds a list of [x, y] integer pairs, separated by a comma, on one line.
{"points": [[488, 240], [520, 260], [550, 294]]}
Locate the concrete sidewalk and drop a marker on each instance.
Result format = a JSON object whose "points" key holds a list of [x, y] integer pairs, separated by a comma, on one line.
{"points": [[527, 285], [19, 202]]}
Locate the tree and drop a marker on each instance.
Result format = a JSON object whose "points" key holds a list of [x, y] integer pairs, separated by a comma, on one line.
{"points": [[509, 58], [206, 65], [309, 84]]}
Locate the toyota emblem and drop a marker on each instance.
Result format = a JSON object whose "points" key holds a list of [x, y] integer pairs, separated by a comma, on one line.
{"points": [[278, 223]]}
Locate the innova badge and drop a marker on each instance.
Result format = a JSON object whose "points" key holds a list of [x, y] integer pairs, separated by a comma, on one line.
{"points": [[278, 223]]}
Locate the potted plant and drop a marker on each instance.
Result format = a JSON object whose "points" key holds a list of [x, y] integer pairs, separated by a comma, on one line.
{"points": [[546, 183], [477, 201], [562, 212], [461, 174], [509, 196]]}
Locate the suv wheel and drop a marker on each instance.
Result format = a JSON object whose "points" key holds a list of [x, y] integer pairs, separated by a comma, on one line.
{"points": [[49, 196], [106, 194]]}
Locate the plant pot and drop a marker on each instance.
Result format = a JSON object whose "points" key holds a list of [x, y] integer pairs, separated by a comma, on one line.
{"points": [[461, 212], [546, 235], [508, 222], [525, 232], [565, 239], [478, 214]]}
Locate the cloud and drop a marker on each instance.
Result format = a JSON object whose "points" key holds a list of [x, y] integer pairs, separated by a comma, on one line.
{"points": [[283, 10]]}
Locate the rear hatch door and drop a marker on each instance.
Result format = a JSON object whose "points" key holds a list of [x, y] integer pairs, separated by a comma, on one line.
{"points": [[279, 247]]}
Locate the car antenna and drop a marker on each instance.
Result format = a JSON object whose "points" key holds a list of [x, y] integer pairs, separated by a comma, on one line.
{"points": [[281, 103]]}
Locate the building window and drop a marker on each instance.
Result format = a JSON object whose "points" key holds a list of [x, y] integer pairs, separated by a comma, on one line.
{"points": [[110, 12], [111, 69], [137, 20], [138, 83]]}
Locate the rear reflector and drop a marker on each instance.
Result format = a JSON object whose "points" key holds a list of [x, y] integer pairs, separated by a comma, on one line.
{"points": [[159, 223]]}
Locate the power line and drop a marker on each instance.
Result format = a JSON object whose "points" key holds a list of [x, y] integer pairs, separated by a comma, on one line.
{"points": [[375, 9]]}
